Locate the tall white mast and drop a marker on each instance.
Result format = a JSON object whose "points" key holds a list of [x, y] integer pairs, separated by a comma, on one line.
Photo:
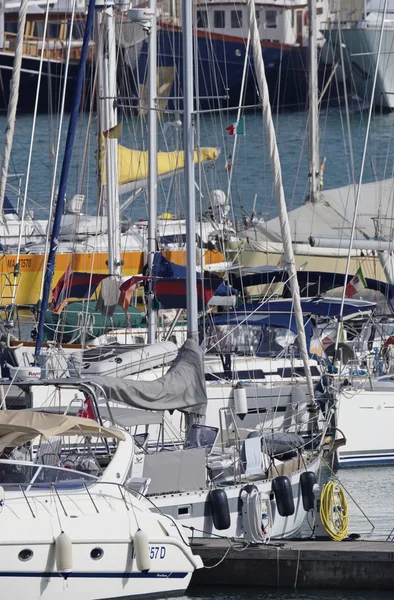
{"points": [[279, 192], [13, 99], [109, 120], [152, 167], [314, 166], [188, 147]]}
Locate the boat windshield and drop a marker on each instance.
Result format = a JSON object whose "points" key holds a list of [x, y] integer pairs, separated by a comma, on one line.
{"points": [[248, 340], [14, 474], [241, 340], [274, 340]]}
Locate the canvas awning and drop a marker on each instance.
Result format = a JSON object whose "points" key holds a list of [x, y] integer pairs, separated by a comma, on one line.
{"points": [[20, 426]]}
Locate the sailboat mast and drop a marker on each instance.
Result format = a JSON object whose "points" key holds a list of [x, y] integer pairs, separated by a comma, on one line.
{"points": [[13, 99], [71, 133], [152, 167], [279, 192], [108, 114], [188, 147], [314, 166]]}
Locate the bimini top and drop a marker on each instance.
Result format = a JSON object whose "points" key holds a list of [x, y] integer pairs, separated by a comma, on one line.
{"points": [[319, 307], [20, 426]]}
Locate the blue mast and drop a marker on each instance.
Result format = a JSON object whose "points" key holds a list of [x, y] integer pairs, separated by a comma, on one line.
{"points": [[72, 127]]}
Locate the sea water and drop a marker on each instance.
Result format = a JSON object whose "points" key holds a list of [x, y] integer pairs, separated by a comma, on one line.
{"points": [[251, 183]]}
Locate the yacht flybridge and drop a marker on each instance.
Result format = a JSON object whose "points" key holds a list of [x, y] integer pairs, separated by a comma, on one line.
{"points": [[70, 525]]}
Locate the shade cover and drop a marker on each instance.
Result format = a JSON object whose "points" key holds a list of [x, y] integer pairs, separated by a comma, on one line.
{"points": [[20, 426]]}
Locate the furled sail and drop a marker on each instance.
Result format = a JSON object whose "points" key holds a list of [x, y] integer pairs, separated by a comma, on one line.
{"points": [[133, 164], [181, 388]]}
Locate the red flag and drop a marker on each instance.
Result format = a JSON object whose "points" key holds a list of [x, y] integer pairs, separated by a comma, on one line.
{"points": [[127, 289], [86, 411]]}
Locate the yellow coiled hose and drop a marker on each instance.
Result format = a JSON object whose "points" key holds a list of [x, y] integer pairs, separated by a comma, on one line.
{"points": [[333, 511]]}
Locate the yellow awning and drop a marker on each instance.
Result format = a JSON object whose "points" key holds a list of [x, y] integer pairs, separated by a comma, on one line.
{"points": [[133, 164]]}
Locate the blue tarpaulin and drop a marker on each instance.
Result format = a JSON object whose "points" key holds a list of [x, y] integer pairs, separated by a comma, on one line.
{"points": [[312, 283]]}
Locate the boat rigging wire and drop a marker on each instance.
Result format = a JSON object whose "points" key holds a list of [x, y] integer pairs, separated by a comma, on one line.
{"points": [[357, 200], [57, 153]]}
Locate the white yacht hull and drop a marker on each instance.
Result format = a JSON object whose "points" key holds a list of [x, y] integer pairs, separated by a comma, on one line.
{"points": [[66, 535], [115, 582], [200, 519], [360, 49], [366, 417], [110, 529]]}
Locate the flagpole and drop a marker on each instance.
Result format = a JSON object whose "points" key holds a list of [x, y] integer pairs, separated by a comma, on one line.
{"points": [[188, 148], [152, 170], [108, 111]]}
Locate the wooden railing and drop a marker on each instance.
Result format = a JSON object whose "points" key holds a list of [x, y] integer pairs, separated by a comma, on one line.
{"points": [[54, 48]]}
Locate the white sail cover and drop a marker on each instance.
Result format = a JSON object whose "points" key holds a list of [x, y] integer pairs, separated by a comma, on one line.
{"points": [[181, 388], [332, 216]]}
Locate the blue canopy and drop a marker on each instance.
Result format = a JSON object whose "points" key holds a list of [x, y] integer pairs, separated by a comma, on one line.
{"points": [[271, 320], [282, 310], [320, 307], [312, 283]]}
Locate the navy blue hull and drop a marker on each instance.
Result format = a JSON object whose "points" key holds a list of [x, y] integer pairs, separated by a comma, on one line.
{"points": [[51, 87], [220, 68]]}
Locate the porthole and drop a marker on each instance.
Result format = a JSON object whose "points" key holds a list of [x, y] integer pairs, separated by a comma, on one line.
{"points": [[25, 554], [185, 511], [97, 553]]}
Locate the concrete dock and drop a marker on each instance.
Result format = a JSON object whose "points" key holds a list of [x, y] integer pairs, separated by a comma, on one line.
{"points": [[355, 565]]}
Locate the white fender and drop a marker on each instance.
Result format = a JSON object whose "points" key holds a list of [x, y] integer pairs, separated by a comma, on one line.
{"points": [[141, 550], [240, 401], [64, 554]]}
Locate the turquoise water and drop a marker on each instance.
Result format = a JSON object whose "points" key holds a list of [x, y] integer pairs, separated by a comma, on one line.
{"points": [[252, 182]]}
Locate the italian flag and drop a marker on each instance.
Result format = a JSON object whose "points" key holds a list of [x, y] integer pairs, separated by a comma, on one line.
{"points": [[356, 284], [237, 128]]}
